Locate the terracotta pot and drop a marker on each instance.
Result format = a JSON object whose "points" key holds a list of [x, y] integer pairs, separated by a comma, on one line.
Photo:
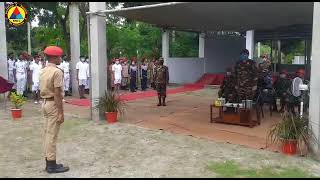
{"points": [[111, 117], [289, 146], [16, 113]]}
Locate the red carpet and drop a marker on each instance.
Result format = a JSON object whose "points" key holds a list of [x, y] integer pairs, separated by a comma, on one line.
{"points": [[140, 95], [211, 79]]}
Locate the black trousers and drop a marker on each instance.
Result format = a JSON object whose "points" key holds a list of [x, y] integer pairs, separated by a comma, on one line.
{"points": [[144, 83], [133, 85]]}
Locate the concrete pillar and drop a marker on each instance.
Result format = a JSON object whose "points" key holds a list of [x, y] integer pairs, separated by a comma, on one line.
{"points": [[98, 49], [201, 45], [250, 42], [165, 45], [74, 45], [29, 37], [3, 43], [314, 104]]}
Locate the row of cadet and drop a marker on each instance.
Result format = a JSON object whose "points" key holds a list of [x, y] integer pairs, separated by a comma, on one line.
{"points": [[24, 71]]}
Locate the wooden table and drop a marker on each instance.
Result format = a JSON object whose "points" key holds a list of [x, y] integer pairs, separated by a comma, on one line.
{"points": [[237, 116]]}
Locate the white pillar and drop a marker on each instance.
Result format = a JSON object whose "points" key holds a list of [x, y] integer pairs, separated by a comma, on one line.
{"points": [[98, 49], [201, 45], [74, 45], [250, 42], [29, 37], [314, 104], [165, 45], [3, 44]]}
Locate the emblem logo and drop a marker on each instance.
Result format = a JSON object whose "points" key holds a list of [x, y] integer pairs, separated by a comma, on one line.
{"points": [[16, 14]]}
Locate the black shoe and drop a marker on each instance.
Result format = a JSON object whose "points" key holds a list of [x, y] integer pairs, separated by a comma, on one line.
{"points": [[58, 165], [52, 167]]}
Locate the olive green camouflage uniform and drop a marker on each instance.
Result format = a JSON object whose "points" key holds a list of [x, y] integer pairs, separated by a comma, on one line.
{"points": [[227, 88], [246, 80], [161, 80]]}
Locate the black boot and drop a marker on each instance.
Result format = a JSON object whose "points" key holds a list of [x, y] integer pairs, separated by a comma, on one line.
{"points": [[163, 101], [159, 98], [52, 167], [58, 165]]}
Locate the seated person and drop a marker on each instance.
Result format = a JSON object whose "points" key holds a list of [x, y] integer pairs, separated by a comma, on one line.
{"points": [[227, 88], [282, 87], [295, 93]]}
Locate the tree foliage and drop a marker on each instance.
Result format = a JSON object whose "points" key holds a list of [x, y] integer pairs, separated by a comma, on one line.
{"points": [[124, 38]]}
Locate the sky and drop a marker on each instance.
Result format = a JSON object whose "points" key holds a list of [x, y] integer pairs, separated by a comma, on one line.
{"points": [[35, 21]]}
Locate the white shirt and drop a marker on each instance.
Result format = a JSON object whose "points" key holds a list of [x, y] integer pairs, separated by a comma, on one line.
{"points": [[295, 86], [11, 64], [65, 66], [36, 69], [87, 66], [83, 70], [21, 67], [117, 69]]}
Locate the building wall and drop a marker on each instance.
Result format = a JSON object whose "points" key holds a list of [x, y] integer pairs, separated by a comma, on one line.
{"points": [[185, 70], [221, 52]]}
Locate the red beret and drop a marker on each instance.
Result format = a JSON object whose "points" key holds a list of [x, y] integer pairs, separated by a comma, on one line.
{"points": [[284, 71], [53, 51]]}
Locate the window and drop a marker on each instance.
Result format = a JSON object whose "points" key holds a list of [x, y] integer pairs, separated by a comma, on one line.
{"points": [[183, 44]]}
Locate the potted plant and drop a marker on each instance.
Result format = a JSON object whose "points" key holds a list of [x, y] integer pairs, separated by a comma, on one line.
{"points": [[111, 104], [17, 101], [292, 132]]}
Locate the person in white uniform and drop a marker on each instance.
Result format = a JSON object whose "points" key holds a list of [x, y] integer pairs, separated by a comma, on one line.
{"points": [[82, 76], [20, 74], [11, 62], [35, 69], [66, 75], [117, 71], [87, 87]]}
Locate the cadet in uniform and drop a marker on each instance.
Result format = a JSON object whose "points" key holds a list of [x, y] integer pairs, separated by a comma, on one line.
{"points": [[66, 75], [51, 90], [144, 75], [35, 70], [20, 74], [162, 80], [125, 74], [246, 77], [227, 88], [133, 71], [82, 76], [11, 62]]}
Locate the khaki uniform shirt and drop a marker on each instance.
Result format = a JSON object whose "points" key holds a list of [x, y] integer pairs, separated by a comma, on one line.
{"points": [[50, 78]]}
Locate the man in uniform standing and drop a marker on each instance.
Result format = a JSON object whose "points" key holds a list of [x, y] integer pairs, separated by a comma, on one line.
{"points": [[125, 74], [162, 80], [35, 69], [282, 88], [11, 63], [51, 85], [117, 72], [82, 76], [20, 75], [246, 75]]}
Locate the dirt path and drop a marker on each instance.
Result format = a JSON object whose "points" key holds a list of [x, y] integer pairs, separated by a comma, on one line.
{"points": [[122, 150]]}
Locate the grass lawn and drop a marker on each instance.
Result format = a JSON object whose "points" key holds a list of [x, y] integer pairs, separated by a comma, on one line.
{"points": [[230, 169]]}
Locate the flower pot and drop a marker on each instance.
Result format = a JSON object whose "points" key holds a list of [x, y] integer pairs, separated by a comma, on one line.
{"points": [[16, 113], [111, 117], [289, 146]]}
